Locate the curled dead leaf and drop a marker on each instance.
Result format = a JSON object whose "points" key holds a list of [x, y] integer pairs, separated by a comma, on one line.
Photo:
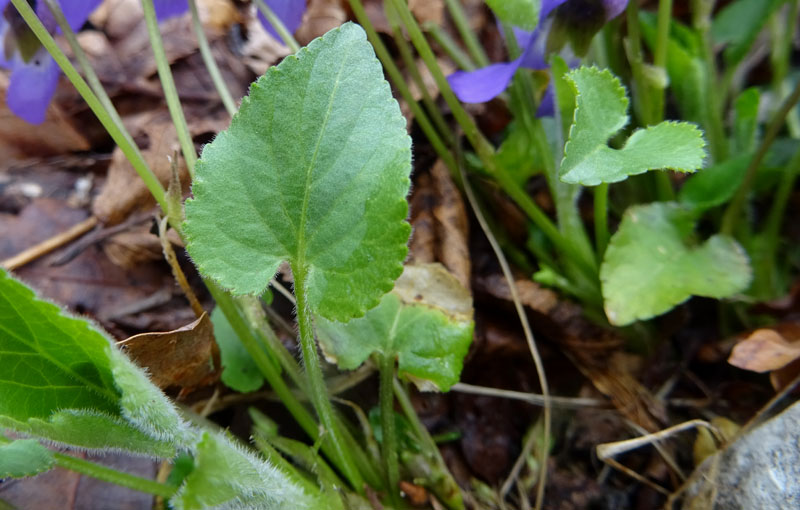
{"points": [[441, 226], [124, 191], [766, 349], [187, 357]]}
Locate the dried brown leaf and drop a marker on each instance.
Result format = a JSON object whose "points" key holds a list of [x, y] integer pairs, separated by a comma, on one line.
{"points": [[421, 247], [130, 249], [427, 10], [766, 349], [441, 228], [187, 357], [124, 191], [320, 16]]}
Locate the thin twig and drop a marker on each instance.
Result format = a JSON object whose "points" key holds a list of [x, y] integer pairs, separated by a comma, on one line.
{"points": [[177, 272], [531, 398], [537, 360], [48, 245]]}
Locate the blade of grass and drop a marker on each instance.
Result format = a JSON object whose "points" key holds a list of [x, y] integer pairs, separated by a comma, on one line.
{"points": [[116, 131], [537, 360], [168, 85], [208, 60]]}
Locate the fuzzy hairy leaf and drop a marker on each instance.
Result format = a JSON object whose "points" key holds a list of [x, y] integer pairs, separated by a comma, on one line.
{"points": [[62, 379], [520, 13], [24, 457], [239, 371], [313, 170], [600, 112], [650, 265], [226, 476], [425, 322]]}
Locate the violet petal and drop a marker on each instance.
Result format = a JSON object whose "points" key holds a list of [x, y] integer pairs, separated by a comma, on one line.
{"points": [[32, 86], [78, 11], [547, 7], [614, 8], [483, 84], [547, 106], [290, 12], [170, 8]]}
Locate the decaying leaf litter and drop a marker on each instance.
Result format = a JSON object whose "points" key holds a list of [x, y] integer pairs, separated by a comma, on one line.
{"points": [[65, 171]]}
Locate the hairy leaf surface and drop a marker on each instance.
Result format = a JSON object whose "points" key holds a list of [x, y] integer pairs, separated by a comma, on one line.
{"points": [[24, 457], [312, 170], [600, 112], [651, 265], [425, 322], [226, 476], [62, 379]]}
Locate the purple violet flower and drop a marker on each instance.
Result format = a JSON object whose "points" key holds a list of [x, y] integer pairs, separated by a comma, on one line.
{"points": [[166, 9], [488, 82], [290, 12], [34, 73]]}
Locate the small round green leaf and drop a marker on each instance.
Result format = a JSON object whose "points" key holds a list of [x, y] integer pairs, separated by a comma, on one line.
{"points": [[313, 170], [650, 266]]}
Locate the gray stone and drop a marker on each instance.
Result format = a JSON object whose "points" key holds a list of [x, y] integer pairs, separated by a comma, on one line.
{"points": [[760, 470]]}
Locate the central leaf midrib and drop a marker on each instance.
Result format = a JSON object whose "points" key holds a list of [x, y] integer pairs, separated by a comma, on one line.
{"points": [[301, 248]]}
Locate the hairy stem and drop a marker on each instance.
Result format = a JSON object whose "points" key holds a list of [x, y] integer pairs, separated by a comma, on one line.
{"points": [[386, 397], [208, 60], [319, 392], [117, 132], [109, 475], [168, 85]]}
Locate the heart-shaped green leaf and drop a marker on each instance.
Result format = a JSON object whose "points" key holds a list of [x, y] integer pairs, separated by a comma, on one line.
{"points": [[312, 170], [62, 379], [650, 265], [600, 112], [425, 322], [24, 457]]}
